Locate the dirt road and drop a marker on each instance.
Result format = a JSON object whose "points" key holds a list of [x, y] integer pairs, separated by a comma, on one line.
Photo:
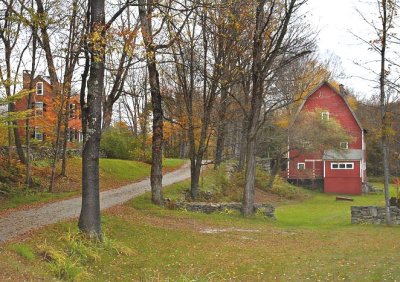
{"points": [[20, 222]]}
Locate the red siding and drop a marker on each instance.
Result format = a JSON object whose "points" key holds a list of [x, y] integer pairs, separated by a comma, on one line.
{"points": [[340, 181], [327, 99]]}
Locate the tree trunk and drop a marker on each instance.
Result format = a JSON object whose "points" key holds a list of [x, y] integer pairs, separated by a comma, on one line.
{"points": [[89, 220], [145, 14], [157, 140], [221, 128], [107, 113], [242, 146], [384, 121]]}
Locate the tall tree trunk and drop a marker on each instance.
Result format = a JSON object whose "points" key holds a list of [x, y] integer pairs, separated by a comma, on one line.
{"points": [[145, 14], [221, 128], [243, 145], [89, 220], [107, 113], [27, 121], [384, 126]]}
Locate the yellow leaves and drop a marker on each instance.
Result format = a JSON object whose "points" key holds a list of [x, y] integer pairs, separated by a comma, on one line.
{"points": [[352, 101], [283, 121], [98, 43]]}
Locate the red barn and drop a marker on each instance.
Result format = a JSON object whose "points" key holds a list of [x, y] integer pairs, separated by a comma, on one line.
{"points": [[341, 171]]}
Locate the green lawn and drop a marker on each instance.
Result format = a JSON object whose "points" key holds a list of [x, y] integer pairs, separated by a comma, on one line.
{"points": [[310, 240]]}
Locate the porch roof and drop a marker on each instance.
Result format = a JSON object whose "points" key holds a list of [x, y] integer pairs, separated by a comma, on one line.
{"points": [[344, 154]]}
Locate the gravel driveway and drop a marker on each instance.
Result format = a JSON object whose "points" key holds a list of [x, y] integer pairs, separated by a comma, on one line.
{"points": [[20, 222]]}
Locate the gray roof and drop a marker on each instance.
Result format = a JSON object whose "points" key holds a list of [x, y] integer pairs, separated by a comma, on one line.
{"points": [[349, 154]]}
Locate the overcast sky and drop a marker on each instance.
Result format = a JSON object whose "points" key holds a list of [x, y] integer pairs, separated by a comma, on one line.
{"points": [[337, 22]]}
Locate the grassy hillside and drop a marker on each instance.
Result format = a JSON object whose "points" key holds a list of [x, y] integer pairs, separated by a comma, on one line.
{"points": [[310, 240], [113, 173]]}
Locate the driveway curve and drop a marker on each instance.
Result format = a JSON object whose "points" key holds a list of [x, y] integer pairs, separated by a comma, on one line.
{"points": [[17, 223]]}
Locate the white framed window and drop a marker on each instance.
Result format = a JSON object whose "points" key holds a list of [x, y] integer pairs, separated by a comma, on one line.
{"points": [[38, 108], [325, 115], [344, 145], [342, 165], [301, 166], [39, 88], [72, 110], [38, 134]]}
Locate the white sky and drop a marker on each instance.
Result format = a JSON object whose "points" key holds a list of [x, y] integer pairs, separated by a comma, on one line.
{"points": [[337, 22]]}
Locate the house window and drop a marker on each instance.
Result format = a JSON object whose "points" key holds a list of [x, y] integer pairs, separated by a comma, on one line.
{"points": [[72, 110], [325, 115], [38, 134], [39, 88], [301, 166], [80, 136], [39, 109], [344, 145], [342, 165]]}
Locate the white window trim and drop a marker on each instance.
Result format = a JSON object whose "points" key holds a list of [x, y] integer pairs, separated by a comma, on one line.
{"points": [[39, 83], [38, 133], [37, 108], [345, 166], [346, 145], [299, 164], [323, 114]]}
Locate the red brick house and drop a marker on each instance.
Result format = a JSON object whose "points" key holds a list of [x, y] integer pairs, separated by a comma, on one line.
{"points": [[340, 171], [44, 111]]}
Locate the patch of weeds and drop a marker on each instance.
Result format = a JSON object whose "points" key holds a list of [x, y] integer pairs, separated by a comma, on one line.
{"points": [[24, 251], [61, 265], [286, 190], [69, 262], [42, 163]]}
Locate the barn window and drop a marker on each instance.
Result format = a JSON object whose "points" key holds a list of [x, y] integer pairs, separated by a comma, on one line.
{"points": [[344, 145], [342, 165], [325, 115], [301, 166], [39, 88]]}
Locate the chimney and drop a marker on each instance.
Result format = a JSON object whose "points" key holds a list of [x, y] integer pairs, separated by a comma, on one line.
{"points": [[26, 78], [342, 91]]}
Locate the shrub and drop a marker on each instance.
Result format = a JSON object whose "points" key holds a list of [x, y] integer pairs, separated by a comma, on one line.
{"points": [[118, 143], [115, 143]]}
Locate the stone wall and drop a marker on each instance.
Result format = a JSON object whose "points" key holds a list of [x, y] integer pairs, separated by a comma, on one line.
{"points": [[374, 215], [41, 152], [267, 209]]}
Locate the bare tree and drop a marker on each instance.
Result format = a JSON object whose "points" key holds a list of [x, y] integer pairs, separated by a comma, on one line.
{"points": [[272, 48]]}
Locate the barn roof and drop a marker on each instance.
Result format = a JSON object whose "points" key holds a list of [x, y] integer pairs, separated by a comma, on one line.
{"points": [[348, 154], [334, 90]]}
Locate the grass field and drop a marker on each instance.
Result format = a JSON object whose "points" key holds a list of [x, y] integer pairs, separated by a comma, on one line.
{"points": [[113, 173], [310, 240]]}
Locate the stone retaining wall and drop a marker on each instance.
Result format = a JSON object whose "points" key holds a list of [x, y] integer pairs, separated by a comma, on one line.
{"points": [[374, 215], [267, 209], [41, 152]]}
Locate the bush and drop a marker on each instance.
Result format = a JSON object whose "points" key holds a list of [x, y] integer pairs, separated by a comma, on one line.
{"points": [[118, 143], [115, 143]]}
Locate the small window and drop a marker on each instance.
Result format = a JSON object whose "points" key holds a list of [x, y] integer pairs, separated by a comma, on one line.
{"points": [[39, 109], [342, 165], [344, 145], [38, 134], [349, 166], [301, 166], [72, 110], [39, 88], [325, 115]]}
